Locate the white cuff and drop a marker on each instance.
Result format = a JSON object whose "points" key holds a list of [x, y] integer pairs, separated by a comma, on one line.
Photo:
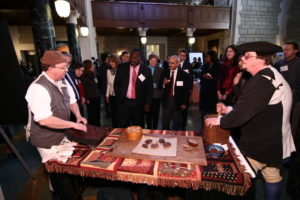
{"points": [[229, 109]]}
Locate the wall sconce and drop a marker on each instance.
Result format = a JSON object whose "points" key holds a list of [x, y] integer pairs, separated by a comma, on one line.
{"points": [[191, 40], [62, 8], [84, 31], [143, 40]]}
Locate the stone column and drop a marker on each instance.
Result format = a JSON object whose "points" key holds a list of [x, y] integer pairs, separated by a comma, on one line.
{"points": [[89, 44], [42, 27], [72, 34], [142, 33]]}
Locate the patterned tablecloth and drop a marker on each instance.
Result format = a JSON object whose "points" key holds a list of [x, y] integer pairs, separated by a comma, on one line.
{"points": [[224, 174]]}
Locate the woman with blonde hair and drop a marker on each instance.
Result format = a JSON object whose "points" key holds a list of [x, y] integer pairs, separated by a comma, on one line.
{"points": [[113, 62]]}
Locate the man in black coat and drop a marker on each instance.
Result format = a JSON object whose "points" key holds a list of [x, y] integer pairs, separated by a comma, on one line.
{"points": [[175, 94], [133, 88], [186, 66]]}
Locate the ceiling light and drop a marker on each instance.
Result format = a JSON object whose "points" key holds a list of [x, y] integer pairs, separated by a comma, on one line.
{"points": [[62, 8]]}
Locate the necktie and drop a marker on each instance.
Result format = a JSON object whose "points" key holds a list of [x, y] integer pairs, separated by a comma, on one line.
{"points": [[133, 81], [171, 94], [68, 78]]}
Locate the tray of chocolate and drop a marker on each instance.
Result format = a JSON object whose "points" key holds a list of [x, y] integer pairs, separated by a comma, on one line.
{"points": [[173, 148], [92, 137]]}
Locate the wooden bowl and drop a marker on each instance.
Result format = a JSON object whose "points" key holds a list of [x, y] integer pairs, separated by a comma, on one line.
{"points": [[133, 133], [215, 134]]}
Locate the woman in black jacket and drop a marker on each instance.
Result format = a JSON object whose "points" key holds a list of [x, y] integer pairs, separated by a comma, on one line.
{"points": [[209, 81], [92, 93]]}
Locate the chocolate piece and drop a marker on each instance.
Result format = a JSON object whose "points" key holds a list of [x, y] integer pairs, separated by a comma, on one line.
{"points": [[161, 140], [145, 146], [187, 147], [167, 144], [192, 142], [148, 141], [154, 145]]}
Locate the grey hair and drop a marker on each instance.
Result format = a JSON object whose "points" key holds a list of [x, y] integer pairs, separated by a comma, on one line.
{"points": [[175, 56]]}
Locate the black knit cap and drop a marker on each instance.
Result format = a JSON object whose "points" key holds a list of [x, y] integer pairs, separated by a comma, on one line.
{"points": [[261, 48]]}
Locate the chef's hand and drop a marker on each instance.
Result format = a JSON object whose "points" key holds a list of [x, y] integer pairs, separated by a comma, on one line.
{"points": [[81, 119], [80, 126], [212, 121]]}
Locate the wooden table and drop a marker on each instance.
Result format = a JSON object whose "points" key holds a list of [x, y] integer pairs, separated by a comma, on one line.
{"points": [[226, 174]]}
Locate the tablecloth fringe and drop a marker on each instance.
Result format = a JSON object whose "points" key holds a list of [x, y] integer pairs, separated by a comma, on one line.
{"points": [[228, 189], [82, 172], [157, 181]]}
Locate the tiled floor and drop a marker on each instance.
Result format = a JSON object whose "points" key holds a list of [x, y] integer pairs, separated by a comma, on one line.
{"points": [[16, 184]]}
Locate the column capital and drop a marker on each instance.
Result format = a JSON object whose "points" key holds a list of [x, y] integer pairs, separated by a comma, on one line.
{"points": [[74, 15], [142, 31], [190, 32]]}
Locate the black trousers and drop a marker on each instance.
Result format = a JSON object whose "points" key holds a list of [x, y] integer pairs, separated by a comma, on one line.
{"points": [[130, 112], [170, 112], [93, 110], [153, 115], [184, 117], [64, 186], [113, 110]]}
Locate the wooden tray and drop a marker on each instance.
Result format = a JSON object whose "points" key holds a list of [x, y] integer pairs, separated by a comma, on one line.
{"points": [[123, 148]]}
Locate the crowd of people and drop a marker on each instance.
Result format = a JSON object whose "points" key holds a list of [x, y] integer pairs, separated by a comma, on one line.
{"points": [[252, 96]]}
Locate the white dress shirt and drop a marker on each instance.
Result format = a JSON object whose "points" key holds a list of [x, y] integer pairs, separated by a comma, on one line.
{"points": [[174, 81], [39, 99], [110, 84]]}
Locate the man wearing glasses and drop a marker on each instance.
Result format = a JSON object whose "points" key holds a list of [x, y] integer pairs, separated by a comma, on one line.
{"points": [[50, 101], [262, 112]]}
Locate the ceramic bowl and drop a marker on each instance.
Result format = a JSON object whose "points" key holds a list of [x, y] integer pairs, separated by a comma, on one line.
{"points": [[215, 151]]}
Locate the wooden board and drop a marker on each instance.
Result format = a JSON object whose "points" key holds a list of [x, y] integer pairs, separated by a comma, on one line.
{"points": [[124, 147]]}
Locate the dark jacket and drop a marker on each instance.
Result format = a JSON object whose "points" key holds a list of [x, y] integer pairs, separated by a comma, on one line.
{"points": [[261, 118], [181, 92], [156, 82], [90, 86], [144, 89], [188, 68]]}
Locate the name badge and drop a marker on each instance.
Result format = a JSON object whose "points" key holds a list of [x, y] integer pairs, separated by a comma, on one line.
{"points": [[179, 83], [142, 77], [284, 68], [186, 70], [154, 85]]}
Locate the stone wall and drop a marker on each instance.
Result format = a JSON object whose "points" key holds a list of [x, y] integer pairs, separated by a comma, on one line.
{"points": [[202, 42], [23, 39], [175, 43], [117, 44], [293, 21], [258, 20]]}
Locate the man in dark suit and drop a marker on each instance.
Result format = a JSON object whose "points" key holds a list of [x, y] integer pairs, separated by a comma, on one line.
{"points": [[175, 94], [187, 67], [70, 78], [133, 89], [156, 72]]}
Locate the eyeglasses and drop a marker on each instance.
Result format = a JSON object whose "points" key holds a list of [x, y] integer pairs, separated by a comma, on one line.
{"points": [[248, 56], [62, 68]]}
